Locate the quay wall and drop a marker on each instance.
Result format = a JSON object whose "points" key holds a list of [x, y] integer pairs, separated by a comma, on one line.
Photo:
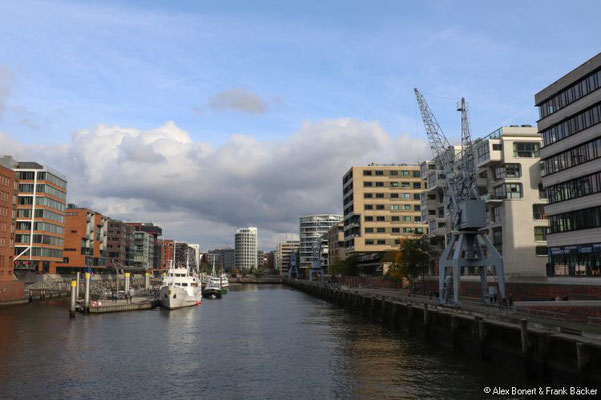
{"points": [[555, 358], [11, 291]]}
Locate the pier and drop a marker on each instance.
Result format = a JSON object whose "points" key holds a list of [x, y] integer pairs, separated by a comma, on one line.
{"points": [[136, 304], [540, 347]]}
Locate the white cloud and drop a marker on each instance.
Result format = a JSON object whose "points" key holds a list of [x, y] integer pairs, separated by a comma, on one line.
{"points": [[201, 193], [238, 99]]}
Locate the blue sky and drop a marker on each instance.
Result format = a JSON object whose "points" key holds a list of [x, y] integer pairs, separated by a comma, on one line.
{"points": [[141, 63], [271, 102]]}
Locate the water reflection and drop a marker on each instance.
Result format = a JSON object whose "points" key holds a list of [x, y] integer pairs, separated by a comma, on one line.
{"points": [[257, 342]]}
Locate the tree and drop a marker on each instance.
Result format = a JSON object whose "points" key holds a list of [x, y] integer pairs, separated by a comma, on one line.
{"points": [[347, 267], [414, 259], [394, 258]]}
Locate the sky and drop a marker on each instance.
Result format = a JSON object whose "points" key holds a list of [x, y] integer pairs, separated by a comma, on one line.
{"points": [[207, 116]]}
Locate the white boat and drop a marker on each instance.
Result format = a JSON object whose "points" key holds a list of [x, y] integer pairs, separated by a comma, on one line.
{"points": [[224, 281], [180, 288]]}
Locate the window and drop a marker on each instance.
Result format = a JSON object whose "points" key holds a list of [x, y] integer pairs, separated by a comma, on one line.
{"points": [[379, 173], [538, 211], [417, 185], [417, 207], [579, 187], [483, 152], [497, 146], [396, 230], [395, 218], [394, 207], [394, 195], [540, 233], [394, 173], [541, 250], [508, 171], [508, 191], [526, 149], [405, 185], [575, 220], [417, 219], [417, 196], [419, 230], [369, 241], [381, 241], [369, 207], [366, 173], [405, 173], [379, 195], [576, 123], [369, 230], [406, 218], [369, 218], [367, 184], [416, 174], [394, 184], [367, 195], [379, 184], [379, 206], [407, 230], [496, 214], [497, 236], [581, 154], [380, 219], [581, 88], [381, 230], [406, 207], [405, 195]]}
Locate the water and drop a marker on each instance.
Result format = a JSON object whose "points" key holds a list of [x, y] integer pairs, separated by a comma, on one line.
{"points": [[258, 342]]}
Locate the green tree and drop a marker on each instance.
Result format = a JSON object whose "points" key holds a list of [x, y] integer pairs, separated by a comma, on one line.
{"points": [[347, 267], [415, 258]]}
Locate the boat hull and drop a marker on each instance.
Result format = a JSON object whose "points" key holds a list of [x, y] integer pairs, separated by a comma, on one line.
{"points": [[211, 294], [174, 297]]}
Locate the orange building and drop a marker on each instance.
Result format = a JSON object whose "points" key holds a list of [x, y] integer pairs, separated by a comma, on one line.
{"points": [[40, 219], [85, 241], [9, 287]]}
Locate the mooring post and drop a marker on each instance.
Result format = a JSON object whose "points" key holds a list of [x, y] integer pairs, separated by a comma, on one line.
{"points": [[73, 299], [524, 334], [86, 299], [454, 327], [77, 285], [582, 359], [482, 337], [126, 289], [147, 282]]}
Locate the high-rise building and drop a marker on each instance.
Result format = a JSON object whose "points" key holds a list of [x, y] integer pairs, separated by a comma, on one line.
{"points": [[85, 241], [40, 215], [224, 258], [508, 180], [283, 255], [144, 244], [245, 241], [10, 288], [311, 228], [381, 206], [260, 262], [570, 124], [120, 244], [156, 231]]}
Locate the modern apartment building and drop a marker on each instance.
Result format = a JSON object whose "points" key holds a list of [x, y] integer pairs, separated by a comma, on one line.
{"points": [[144, 244], [156, 231], [196, 248], [311, 228], [86, 240], [245, 245], [40, 215], [283, 255], [120, 244], [381, 206], [570, 123], [508, 179], [260, 260]]}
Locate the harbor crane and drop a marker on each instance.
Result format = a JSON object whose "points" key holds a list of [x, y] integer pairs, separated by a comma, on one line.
{"points": [[468, 246]]}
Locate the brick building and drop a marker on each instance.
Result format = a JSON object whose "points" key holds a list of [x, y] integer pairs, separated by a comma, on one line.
{"points": [[85, 241], [9, 288], [120, 244]]}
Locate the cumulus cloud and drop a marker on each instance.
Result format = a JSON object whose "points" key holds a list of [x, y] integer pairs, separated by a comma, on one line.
{"points": [[198, 192], [238, 99]]}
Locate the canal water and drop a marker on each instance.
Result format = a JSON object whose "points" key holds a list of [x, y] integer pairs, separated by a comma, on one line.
{"points": [[258, 342]]}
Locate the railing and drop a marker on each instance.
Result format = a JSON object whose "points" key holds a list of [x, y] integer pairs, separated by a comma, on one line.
{"points": [[594, 321]]}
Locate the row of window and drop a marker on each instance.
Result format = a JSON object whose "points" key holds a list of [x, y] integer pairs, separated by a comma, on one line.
{"points": [[40, 213], [402, 185], [568, 127], [508, 191], [367, 172], [526, 149], [567, 96], [41, 226], [575, 220], [508, 171], [42, 176], [40, 239], [580, 154], [392, 230], [578, 187], [393, 207], [41, 252]]}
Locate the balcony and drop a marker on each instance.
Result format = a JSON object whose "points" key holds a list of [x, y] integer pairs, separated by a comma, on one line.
{"points": [[491, 198]]}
